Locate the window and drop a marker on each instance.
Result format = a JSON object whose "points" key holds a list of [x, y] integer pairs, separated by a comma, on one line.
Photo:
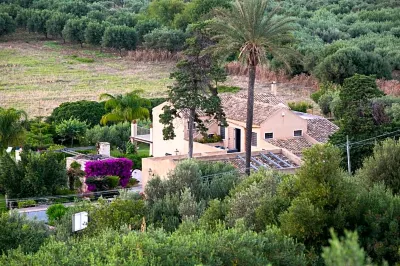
{"points": [[298, 133], [222, 132], [253, 139], [269, 135]]}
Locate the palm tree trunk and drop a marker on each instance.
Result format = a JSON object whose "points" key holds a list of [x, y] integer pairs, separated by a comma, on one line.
{"points": [[249, 119], [191, 122]]}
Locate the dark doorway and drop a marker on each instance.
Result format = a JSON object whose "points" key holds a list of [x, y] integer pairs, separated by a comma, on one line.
{"points": [[238, 137]]}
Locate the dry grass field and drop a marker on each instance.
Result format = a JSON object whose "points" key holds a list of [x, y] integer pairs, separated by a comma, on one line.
{"points": [[37, 75]]}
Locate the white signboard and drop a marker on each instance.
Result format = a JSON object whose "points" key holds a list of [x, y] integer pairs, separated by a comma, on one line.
{"points": [[79, 221], [137, 174]]}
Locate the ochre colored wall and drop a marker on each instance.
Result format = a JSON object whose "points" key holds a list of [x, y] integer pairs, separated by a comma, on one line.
{"points": [[283, 126]]}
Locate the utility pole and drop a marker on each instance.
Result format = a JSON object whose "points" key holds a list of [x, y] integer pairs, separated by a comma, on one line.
{"points": [[348, 154]]}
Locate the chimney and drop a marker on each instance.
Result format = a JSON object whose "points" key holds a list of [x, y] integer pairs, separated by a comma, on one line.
{"points": [[104, 149], [274, 88]]}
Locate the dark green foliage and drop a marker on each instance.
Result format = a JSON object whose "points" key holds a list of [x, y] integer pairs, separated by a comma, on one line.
{"points": [[256, 201], [94, 33], [383, 165], [55, 24], [55, 212], [345, 251], [143, 27], [197, 10], [26, 203], [39, 135], [12, 129], [349, 61], [322, 194], [300, 106], [120, 37], [18, 231], [74, 30], [376, 215], [36, 21], [356, 117], [11, 176], [76, 8], [165, 10], [184, 247], [22, 18], [103, 183], [7, 24], [165, 39], [130, 148], [11, 9], [116, 135], [97, 16], [231, 89], [206, 181], [74, 173], [88, 111], [123, 19], [71, 129], [116, 214]]}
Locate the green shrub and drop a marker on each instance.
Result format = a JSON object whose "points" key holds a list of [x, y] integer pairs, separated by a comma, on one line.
{"points": [[145, 26], [300, 106], [165, 39], [130, 147], [132, 182], [207, 139], [116, 135], [7, 24], [26, 203], [112, 181], [347, 62], [55, 212], [120, 38], [89, 111], [135, 158], [231, 89], [18, 231], [187, 246]]}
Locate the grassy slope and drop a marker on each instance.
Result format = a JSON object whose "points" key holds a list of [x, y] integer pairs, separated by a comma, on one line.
{"points": [[37, 75]]}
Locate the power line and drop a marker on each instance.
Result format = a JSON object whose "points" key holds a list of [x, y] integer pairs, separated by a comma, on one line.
{"points": [[369, 139]]}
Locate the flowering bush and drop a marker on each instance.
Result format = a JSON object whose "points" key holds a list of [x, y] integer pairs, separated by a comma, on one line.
{"points": [[120, 167]]}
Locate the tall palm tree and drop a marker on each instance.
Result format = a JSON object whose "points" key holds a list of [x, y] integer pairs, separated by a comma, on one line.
{"points": [[249, 28], [126, 107], [11, 127]]}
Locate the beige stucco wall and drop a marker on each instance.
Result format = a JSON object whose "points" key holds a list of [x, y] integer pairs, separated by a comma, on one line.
{"points": [[161, 146], [283, 126], [161, 166]]}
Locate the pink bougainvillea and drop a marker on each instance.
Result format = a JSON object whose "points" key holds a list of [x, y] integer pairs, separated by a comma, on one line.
{"points": [[118, 167]]}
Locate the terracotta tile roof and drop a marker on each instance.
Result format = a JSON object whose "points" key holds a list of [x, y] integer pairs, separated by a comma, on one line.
{"points": [[296, 145], [265, 104], [320, 129]]}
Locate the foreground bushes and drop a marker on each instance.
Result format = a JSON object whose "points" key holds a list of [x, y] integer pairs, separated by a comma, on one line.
{"points": [[17, 231], [187, 246]]}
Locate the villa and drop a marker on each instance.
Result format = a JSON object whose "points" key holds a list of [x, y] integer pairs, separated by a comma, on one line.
{"points": [[279, 135]]}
